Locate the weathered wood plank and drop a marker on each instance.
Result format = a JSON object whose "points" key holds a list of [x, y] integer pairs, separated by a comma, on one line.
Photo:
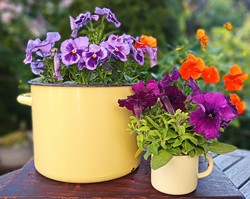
{"points": [[30, 184], [241, 153], [245, 190], [225, 161], [239, 173]]}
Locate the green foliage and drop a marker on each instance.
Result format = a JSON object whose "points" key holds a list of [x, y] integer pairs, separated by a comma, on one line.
{"points": [[163, 135], [215, 13]]}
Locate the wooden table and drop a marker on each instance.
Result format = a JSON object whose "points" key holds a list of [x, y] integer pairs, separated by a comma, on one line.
{"points": [[229, 179]]}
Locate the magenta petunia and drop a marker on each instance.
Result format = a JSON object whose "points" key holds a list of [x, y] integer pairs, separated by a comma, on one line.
{"points": [[144, 97]]}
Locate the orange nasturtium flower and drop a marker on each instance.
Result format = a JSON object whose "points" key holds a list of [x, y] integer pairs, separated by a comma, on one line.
{"points": [[211, 75], [201, 35], [228, 26], [240, 105], [146, 41], [234, 80], [192, 67]]}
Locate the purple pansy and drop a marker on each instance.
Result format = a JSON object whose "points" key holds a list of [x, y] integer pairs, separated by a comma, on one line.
{"points": [[116, 46], [93, 56], [110, 16], [80, 21], [71, 50], [214, 110], [139, 56], [42, 48], [37, 67], [152, 52], [57, 65]]}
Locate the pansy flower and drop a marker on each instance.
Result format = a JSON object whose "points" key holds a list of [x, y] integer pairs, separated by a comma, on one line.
{"points": [[94, 55], [80, 21], [71, 50], [57, 64], [192, 67], [146, 41], [234, 80], [147, 45], [110, 16], [42, 48], [116, 46], [37, 67]]}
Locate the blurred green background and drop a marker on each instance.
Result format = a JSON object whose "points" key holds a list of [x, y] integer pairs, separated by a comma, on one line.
{"points": [[172, 22]]}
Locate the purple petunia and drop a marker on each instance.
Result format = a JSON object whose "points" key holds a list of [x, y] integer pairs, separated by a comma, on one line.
{"points": [[214, 110], [71, 50], [93, 56], [143, 98], [172, 98], [168, 79], [110, 16]]}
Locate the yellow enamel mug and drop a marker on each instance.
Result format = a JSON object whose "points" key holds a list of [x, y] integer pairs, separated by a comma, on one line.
{"points": [[180, 175], [80, 132]]}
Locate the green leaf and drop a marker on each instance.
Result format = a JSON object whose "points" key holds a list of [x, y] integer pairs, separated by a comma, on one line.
{"points": [[153, 133], [187, 146], [182, 130], [144, 128], [177, 142], [220, 148], [154, 124], [171, 134], [189, 137], [161, 159], [175, 151], [153, 148]]}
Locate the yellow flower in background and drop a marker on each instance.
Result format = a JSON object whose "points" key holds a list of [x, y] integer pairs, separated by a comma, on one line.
{"points": [[201, 35], [228, 26]]}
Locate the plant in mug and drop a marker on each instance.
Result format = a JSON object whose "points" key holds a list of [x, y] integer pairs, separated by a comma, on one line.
{"points": [[173, 116], [92, 56]]}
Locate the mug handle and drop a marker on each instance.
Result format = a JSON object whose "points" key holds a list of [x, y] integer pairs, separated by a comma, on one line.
{"points": [[209, 168], [25, 99]]}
